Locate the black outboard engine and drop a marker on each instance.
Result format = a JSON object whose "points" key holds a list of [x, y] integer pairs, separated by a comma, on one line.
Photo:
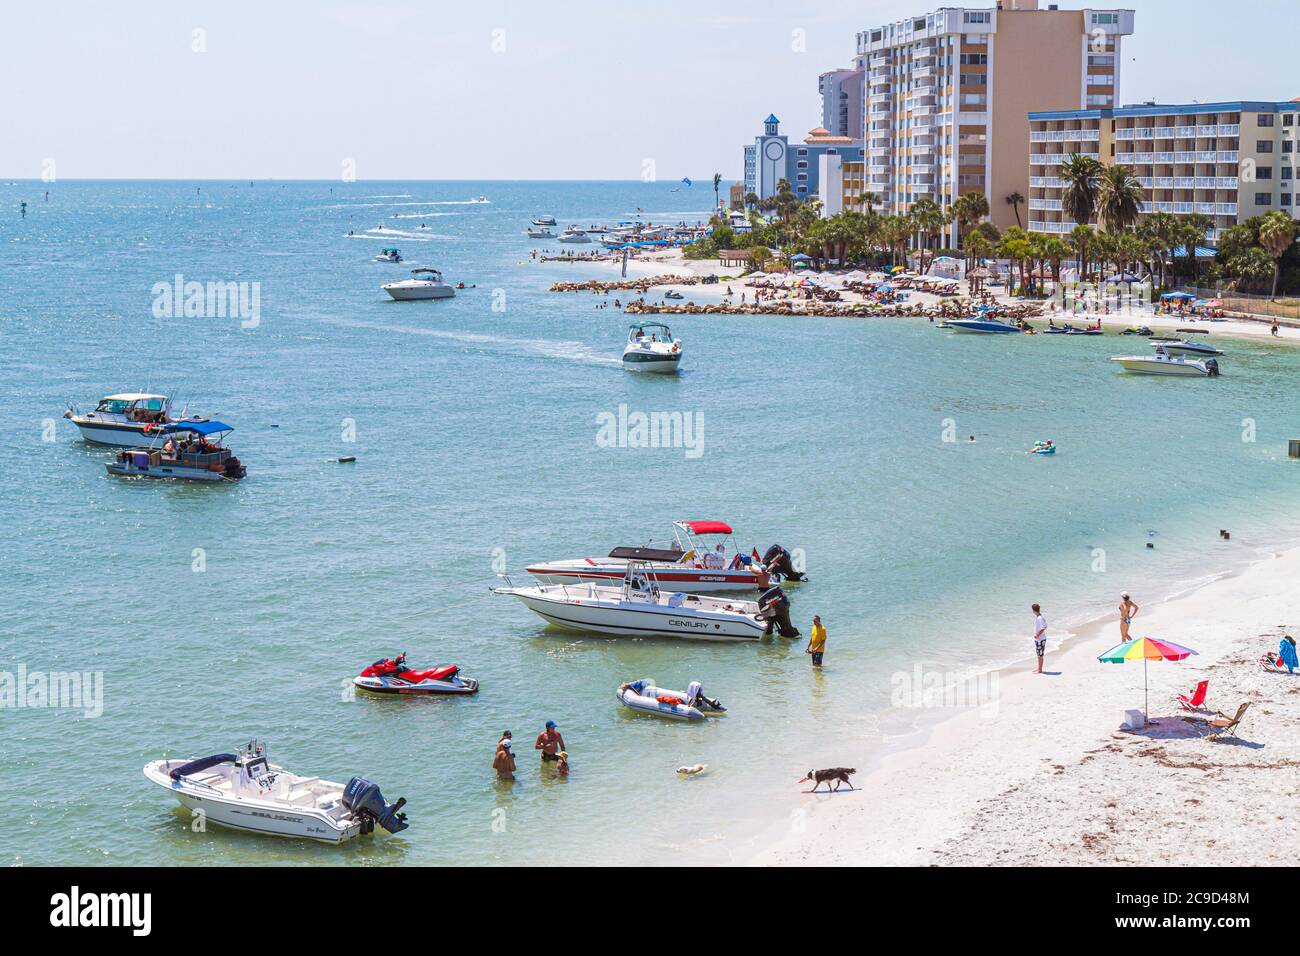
{"points": [[1212, 366], [774, 606], [364, 799], [778, 563]]}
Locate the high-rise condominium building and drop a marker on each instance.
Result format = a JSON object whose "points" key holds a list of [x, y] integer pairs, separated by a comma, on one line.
{"points": [[841, 92], [1228, 161], [947, 96]]}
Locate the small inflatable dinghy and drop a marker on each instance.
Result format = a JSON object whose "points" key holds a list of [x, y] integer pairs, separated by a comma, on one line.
{"points": [[690, 704]]}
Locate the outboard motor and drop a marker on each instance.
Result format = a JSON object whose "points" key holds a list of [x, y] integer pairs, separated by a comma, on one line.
{"points": [[774, 606], [778, 563], [364, 799], [1212, 366]]}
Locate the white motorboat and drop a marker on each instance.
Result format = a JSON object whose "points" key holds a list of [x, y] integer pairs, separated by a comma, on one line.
{"points": [[691, 564], [652, 348], [389, 255], [574, 234], [246, 792], [1162, 363], [1184, 347], [423, 284], [540, 232], [690, 704], [987, 326], [544, 221], [637, 607], [127, 420]]}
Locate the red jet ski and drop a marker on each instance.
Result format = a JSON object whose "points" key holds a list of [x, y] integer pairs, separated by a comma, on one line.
{"points": [[393, 677]]}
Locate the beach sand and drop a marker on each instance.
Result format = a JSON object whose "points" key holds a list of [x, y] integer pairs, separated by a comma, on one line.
{"points": [[1043, 774]]}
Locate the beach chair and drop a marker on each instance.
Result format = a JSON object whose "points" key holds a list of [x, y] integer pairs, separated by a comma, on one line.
{"points": [[1197, 699], [1272, 663], [1224, 725]]}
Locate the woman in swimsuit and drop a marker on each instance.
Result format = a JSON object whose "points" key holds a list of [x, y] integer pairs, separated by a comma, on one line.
{"points": [[1127, 611]]}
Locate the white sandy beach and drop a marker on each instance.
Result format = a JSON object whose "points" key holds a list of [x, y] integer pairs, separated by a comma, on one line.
{"points": [[1045, 775]]}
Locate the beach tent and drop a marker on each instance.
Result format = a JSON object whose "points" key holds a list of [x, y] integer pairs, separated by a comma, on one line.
{"points": [[1178, 295], [1145, 649]]}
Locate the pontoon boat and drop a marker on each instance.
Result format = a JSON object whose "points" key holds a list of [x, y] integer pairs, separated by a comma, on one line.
{"points": [[188, 450]]}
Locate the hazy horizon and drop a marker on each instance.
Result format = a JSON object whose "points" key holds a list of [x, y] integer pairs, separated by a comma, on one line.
{"points": [[501, 91]]}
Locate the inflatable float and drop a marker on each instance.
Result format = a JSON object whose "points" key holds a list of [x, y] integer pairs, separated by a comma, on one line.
{"points": [[690, 704], [1043, 448]]}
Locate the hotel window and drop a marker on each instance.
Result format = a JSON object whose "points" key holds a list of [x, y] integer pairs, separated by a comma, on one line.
{"points": [[1264, 146], [1288, 145], [803, 164], [802, 177], [974, 79], [1288, 119], [1286, 199], [1263, 172], [978, 16], [967, 59], [1263, 199], [802, 152], [1265, 119], [1105, 19], [1287, 172]]}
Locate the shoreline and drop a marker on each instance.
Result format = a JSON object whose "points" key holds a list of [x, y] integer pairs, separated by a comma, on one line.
{"points": [[963, 786], [663, 263]]}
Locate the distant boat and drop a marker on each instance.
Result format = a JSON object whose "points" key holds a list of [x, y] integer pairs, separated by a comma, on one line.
{"points": [[1178, 347], [540, 232], [574, 234], [423, 284], [544, 221], [1164, 364], [981, 325]]}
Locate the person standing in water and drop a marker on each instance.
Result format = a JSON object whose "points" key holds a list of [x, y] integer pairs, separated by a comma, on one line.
{"points": [[23, 206], [1127, 611], [816, 641], [550, 743], [1040, 635], [503, 761]]}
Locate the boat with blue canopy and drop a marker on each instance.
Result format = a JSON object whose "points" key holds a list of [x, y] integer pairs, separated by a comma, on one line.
{"points": [[189, 450]]}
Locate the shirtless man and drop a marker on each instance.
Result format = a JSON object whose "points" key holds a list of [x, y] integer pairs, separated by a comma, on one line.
{"points": [[503, 762], [549, 742]]}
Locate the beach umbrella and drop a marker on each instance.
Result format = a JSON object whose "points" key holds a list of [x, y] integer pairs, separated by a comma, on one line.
{"points": [[1178, 295], [1145, 649]]}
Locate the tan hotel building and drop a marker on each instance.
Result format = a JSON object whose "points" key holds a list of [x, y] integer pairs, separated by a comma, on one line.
{"points": [[946, 96], [1228, 161]]}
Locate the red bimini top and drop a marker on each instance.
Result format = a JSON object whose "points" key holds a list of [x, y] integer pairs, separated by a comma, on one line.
{"points": [[706, 527]]}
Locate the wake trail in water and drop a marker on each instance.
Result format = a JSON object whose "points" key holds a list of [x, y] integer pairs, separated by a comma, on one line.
{"points": [[565, 350]]}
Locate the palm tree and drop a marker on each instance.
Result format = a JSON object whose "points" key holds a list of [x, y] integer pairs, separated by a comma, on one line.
{"points": [[1079, 200], [1081, 237], [1277, 232], [968, 209], [1015, 201], [928, 218], [717, 200], [1119, 198], [1194, 227], [751, 200]]}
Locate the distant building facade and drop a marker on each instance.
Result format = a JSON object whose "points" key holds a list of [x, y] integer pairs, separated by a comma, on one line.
{"points": [[773, 158], [841, 92]]}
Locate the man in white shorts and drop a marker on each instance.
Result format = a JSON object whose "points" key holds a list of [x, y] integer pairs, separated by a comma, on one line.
{"points": [[1040, 635]]}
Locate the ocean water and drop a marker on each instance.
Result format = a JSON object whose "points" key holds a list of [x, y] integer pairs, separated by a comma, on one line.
{"points": [[216, 614]]}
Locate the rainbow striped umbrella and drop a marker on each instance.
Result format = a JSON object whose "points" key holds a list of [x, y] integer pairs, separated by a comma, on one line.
{"points": [[1145, 649]]}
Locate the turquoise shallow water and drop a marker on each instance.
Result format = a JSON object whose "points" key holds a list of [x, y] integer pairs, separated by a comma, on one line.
{"points": [[475, 433]]}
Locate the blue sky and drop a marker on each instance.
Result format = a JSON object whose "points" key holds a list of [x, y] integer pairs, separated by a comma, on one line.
{"points": [[573, 90]]}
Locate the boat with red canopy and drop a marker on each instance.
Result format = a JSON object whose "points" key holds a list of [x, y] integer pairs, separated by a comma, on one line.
{"points": [[703, 557]]}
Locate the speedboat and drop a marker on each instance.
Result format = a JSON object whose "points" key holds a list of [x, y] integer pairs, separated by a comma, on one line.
{"points": [[981, 325], [245, 791], [673, 294], [574, 234], [392, 676], [189, 450], [638, 607], [690, 704], [540, 232], [691, 564], [544, 221], [389, 255], [124, 420], [1182, 347], [652, 348], [1162, 363], [423, 284]]}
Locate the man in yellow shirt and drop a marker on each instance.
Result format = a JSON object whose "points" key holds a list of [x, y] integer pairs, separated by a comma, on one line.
{"points": [[817, 641]]}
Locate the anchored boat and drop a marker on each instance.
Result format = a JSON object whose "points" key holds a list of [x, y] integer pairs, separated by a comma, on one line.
{"points": [[691, 704], [423, 284], [1162, 363], [125, 420], [189, 450], [639, 607], [692, 564], [245, 791]]}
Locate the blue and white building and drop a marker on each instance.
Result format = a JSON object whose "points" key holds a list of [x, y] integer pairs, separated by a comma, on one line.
{"points": [[773, 158]]}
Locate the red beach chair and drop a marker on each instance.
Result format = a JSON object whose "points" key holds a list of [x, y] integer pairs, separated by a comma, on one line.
{"points": [[1197, 700]]}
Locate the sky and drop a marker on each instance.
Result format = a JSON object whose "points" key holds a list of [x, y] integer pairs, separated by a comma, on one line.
{"points": [[496, 89]]}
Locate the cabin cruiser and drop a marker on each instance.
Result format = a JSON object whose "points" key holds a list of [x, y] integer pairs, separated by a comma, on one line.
{"points": [[392, 676], [245, 791], [189, 450], [692, 564], [1184, 347], [652, 348], [544, 221], [389, 255], [637, 606], [423, 284], [124, 420], [1162, 363], [982, 325], [540, 232], [574, 234]]}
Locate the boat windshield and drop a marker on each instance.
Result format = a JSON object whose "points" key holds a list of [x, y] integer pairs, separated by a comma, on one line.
{"points": [[113, 406]]}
